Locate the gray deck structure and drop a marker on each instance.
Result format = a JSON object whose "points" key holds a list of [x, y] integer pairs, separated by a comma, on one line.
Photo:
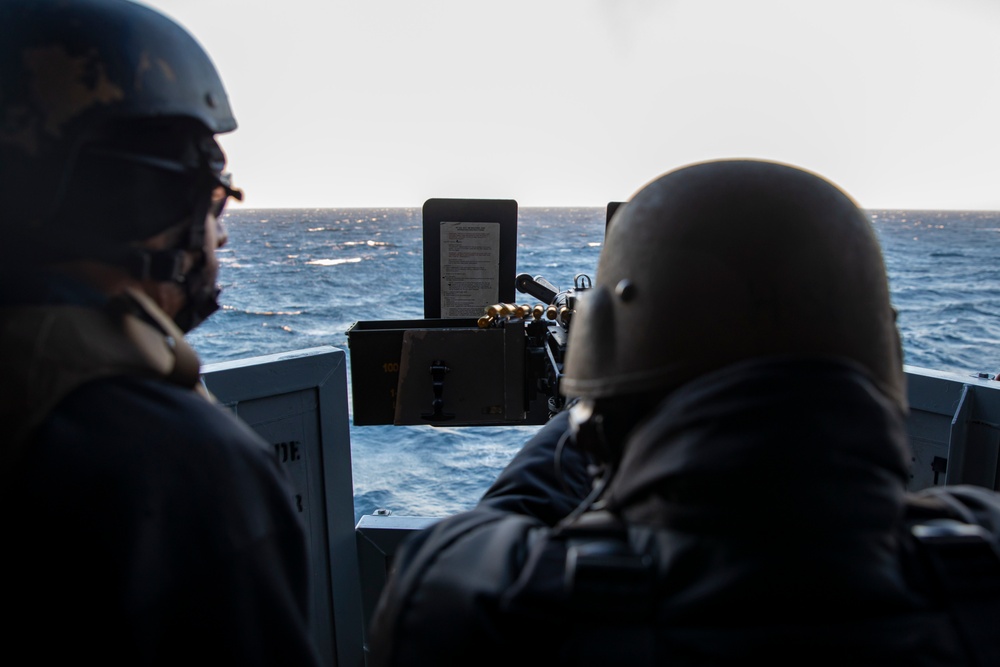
{"points": [[298, 402]]}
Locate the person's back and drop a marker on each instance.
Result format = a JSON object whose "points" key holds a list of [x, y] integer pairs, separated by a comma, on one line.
{"points": [[144, 524], [736, 377], [143, 527]]}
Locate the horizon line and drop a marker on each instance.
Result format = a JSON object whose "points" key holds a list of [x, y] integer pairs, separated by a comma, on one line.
{"points": [[240, 207]]}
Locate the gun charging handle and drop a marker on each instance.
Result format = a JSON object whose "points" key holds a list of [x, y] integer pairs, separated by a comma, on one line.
{"points": [[537, 287]]}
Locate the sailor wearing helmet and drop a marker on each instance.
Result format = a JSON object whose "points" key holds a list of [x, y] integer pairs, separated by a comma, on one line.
{"points": [[143, 523]]}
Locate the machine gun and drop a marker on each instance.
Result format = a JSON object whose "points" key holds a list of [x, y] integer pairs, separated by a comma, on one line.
{"points": [[503, 368], [455, 368]]}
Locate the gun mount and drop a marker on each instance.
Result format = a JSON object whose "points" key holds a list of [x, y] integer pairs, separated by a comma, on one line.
{"points": [[503, 368]]}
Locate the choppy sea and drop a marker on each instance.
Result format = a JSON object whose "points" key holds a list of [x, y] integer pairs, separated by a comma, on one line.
{"points": [[299, 278]]}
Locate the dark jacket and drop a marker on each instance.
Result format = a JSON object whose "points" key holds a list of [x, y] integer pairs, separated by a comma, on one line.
{"points": [[759, 514], [143, 524]]}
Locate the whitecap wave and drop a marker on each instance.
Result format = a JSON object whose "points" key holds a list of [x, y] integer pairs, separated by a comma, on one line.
{"points": [[334, 262]]}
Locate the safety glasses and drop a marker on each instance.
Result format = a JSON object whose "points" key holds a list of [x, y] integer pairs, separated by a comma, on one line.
{"points": [[223, 191]]}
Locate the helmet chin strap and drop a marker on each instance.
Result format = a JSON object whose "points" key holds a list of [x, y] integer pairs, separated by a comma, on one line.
{"points": [[201, 301], [601, 426], [201, 295], [587, 432]]}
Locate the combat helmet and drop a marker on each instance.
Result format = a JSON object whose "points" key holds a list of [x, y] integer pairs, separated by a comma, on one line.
{"points": [[107, 115], [724, 261]]}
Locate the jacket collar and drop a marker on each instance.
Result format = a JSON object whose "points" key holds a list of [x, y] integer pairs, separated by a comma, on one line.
{"points": [[806, 441]]}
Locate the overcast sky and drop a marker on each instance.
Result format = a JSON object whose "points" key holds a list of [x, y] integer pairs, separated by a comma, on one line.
{"points": [[580, 102]]}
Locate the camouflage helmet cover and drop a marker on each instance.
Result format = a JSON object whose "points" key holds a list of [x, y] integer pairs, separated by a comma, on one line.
{"points": [[69, 69]]}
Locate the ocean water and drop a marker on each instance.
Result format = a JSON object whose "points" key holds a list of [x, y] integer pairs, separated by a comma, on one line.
{"points": [[299, 278]]}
